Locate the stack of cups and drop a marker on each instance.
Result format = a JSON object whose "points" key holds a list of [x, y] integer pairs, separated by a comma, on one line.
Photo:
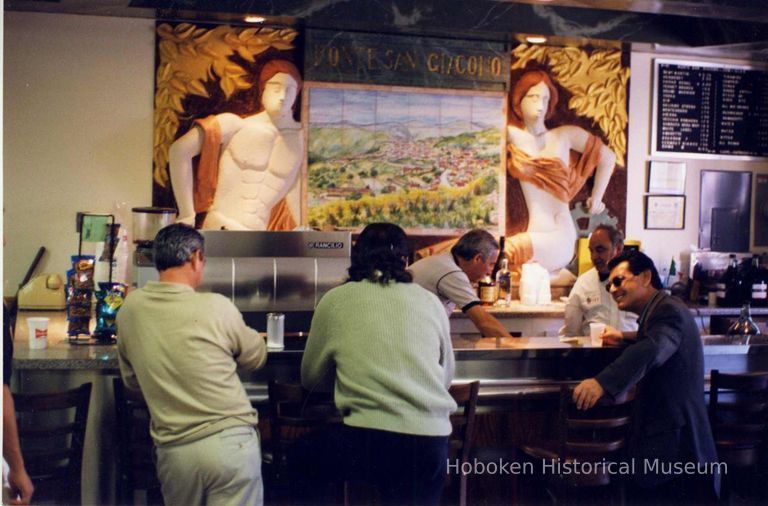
{"points": [[38, 332]]}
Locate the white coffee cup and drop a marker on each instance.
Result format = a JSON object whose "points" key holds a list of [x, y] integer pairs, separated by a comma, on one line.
{"points": [[596, 333], [38, 332]]}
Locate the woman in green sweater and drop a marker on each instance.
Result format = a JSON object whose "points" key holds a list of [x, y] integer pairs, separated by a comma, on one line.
{"points": [[383, 344]]}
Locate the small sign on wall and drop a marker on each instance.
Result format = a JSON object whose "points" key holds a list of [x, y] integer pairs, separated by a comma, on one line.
{"points": [[666, 178], [665, 212]]}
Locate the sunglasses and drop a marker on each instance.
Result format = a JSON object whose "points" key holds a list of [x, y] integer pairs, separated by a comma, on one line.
{"points": [[615, 282]]}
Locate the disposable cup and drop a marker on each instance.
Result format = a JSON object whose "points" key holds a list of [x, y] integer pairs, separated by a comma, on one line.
{"points": [[596, 333], [38, 332]]}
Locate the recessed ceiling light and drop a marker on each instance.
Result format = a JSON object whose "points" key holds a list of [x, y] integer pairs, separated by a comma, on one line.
{"points": [[536, 39], [254, 19]]}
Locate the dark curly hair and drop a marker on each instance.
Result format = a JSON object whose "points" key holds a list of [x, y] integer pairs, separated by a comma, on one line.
{"points": [[380, 254]]}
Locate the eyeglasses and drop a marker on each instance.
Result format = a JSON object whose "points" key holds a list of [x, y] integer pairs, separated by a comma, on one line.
{"points": [[616, 282]]}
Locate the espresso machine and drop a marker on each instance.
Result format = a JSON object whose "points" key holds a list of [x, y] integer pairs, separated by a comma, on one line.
{"points": [[275, 272]]}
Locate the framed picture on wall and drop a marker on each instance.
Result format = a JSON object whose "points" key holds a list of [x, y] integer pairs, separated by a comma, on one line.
{"points": [[665, 212], [666, 177]]}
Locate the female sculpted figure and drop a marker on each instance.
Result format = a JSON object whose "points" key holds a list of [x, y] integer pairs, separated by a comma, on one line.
{"points": [[247, 165], [549, 173]]}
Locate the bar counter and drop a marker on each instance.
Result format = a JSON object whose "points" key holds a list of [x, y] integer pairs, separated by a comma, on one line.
{"points": [[477, 358], [511, 372]]}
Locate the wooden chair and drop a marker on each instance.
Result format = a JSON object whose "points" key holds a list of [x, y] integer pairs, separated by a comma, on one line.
{"points": [[52, 436], [584, 436], [291, 414], [738, 412], [136, 469], [463, 422]]}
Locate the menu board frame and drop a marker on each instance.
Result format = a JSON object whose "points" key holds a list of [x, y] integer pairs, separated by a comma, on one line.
{"points": [[657, 62]]}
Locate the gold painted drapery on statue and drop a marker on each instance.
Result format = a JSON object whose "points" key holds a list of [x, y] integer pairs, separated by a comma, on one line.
{"points": [[553, 176]]}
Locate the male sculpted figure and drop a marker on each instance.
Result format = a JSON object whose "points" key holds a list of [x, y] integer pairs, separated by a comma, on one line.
{"points": [[243, 187], [540, 158]]}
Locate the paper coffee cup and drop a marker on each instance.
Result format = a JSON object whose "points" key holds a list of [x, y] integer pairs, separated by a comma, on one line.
{"points": [[38, 332], [596, 333]]}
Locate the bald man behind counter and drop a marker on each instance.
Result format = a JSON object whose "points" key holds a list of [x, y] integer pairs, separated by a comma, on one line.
{"points": [[450, 276]]}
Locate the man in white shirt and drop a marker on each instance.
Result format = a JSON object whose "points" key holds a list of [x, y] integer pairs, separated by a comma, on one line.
{"points": [[589, 302], [450, 276]]}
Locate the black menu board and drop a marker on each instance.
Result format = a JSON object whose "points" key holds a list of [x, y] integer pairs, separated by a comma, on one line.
{"points": [[706, 109]]}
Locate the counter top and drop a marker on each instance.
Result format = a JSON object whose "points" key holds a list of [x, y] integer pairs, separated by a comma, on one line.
{"points": [[556, 309], [61, 355]]}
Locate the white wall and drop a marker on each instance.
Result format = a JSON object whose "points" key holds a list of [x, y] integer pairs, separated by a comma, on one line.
{"points": [[662, 245], [77, 134], [77, 129]]}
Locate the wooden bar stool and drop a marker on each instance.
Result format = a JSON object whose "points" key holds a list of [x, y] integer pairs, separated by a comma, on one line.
{"points": [[584, 436], [52, 436], [292, 413], [136, 469], [461, 439], [738, 412]]}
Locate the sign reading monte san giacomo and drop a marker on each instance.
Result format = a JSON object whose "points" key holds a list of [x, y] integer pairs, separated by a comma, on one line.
{"points": [[346, 57], [706, 109]]}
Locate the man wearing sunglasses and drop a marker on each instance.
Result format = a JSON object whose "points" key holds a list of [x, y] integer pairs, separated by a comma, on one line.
{"points": [[670, 427], [590, 301]]}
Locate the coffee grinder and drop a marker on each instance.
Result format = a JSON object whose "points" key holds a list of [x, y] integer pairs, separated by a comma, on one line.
{"points": [[147, 221]]}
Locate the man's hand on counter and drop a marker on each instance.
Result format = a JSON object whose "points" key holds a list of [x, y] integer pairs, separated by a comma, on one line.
{"points": [[486, 323]]}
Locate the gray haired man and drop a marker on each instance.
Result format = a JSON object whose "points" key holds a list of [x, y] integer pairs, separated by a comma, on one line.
{"points": [[450, 276], [181, 350]]}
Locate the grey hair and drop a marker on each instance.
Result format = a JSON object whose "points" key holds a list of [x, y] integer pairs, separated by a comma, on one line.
{"points": [[175, 244], [614, 234], [474, 242]]}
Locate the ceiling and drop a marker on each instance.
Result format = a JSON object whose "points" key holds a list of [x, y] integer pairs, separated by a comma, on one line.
{"points": [[720, 28]]}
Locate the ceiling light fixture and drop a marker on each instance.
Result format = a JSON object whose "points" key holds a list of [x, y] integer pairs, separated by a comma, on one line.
{"points": [[536, 39], [254, 19]]}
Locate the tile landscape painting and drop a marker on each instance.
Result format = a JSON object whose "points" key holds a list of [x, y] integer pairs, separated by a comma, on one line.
{"points": [[429, 162]]}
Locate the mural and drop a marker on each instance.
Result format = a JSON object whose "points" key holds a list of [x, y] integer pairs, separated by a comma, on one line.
{"points": [[429, 161]]}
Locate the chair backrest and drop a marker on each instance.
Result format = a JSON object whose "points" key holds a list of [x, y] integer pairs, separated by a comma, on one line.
{"points": [[461, 439], [52, 435], [135, 466], [594, 434], [463, 420], [293, 412], [738, 411]]}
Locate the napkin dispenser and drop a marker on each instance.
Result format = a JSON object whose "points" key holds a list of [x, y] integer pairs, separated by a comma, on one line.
{"points": [[45, 291]]}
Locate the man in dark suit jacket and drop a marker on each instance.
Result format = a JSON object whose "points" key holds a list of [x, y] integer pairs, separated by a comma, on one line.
{"points": [[671, 441]]}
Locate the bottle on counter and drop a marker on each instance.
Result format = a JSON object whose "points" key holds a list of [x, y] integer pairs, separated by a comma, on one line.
{"points": [[744, 326], [504, 282], [502, 257], [729, 286], [696, 283], [487, 291], [756, 286]]}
